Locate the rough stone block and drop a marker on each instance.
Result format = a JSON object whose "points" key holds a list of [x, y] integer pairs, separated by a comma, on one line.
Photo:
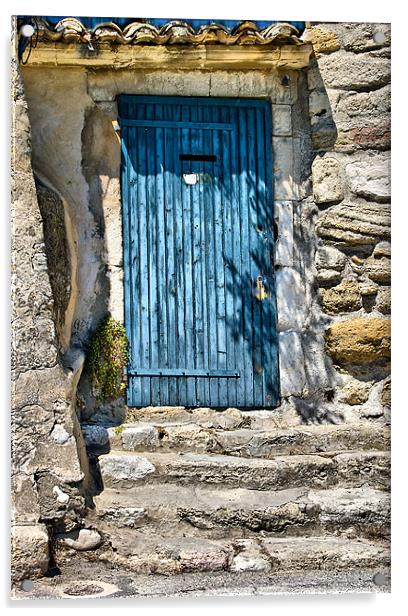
{"points": [[330, 258], [124, 468], [291, 364], [34, 344], [291, 299], [345, 508], [350, 71], [95, 436], [325, 553], [284, 242], [180, 83], [363, 108], [319, 105], [355, 392], [316, 366], [373, 408], [282, 120], [383, 249], [360, 340], [386, 392], [52, 455], [283, 168], [368, 288], [140, 436], [189, 436], [363, 138], [371, 178], [327, 180], [355, 224], [228, 420], [250, 558], [25, 507], [323, 39], [29, 547], [378, 269], [365, 36], [255, 84], [327, 277], [213, 558], [80, 540], [345, 297], [125, 517], [368, 467], [383, 301]]}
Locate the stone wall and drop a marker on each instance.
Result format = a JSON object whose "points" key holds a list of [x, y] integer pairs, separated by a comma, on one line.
{"points": [[331, 184], [349, 109], [47, 473]]}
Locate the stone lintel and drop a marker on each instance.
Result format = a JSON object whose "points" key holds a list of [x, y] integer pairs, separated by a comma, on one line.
{"points": [[202, 57]]}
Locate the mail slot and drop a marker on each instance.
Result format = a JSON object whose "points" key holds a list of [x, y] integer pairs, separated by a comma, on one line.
{"points": [[205, 158]]}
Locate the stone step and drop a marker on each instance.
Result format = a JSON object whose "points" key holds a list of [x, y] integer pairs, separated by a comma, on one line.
{"points": [[141, 554], [244, 442], [346, 469], [237, 512]]}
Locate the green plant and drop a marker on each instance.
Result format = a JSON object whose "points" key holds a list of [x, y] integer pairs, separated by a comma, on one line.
{"points": [[107, 358]]}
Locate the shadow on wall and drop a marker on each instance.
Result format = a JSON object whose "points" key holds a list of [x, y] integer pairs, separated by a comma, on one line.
{"points": [[60, 244], [322, 125], [301, 320]]}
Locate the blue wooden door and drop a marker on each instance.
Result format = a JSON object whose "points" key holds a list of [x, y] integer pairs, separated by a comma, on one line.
{"points": [[198, 248]]}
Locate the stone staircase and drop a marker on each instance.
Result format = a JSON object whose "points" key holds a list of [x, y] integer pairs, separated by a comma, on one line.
{"points": [[195, 491]]}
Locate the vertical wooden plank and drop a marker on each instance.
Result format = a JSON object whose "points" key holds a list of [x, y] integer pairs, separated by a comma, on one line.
{"points": [[228, 258], [219, 241], [271, 353], [203, 384], [263, 339], [142, 331], [210, 269], [265, 220], [169, 152], [178, 258], [126, 212], [197, 260], [132, 260], [179, 267], [152, 218], [144, 263], [192, 313], [237, 267], [160, 249], [256, 256], [246, 280]]}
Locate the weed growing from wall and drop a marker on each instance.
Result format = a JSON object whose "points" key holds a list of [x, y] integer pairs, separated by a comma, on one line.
{"points": [[107, 359]]}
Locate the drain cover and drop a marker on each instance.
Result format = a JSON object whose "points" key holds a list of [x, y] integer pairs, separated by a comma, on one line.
{"points": [[88, 588]]}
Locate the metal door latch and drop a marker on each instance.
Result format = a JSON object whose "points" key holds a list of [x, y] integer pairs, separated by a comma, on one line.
{"points": [[260, 292]]}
